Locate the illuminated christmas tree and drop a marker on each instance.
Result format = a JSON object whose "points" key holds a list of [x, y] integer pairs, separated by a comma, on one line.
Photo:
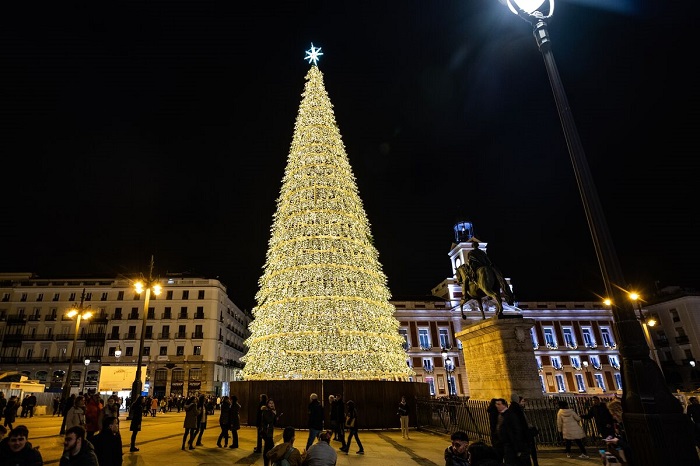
{"points": [[323, 308]]}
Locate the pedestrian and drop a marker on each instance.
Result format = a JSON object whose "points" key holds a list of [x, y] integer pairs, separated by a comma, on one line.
{"points": [[693, 413], [93, 415], [332, 416], [3, 404], [67, 404], [56, 405], [480, 454], [191, 422], [285, 450], [235, 421], [203, 414], [111, 409], [456, 453], [31, 404], [339, 411], [494, 417], [601, 416], [224, 421], [513, 432], [76, 414], [136, 416], [618, 444], [108, 443], [532, 431], [570, 429], [262, 403], [315, 419], [24, 404], [321, 453], [15, 449], [10, 412], [77, 450], [352, 425], [402, 412], [268, 420]]}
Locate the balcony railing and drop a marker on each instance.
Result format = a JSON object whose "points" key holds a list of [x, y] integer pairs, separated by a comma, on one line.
{"points": [[134, 316], [199, 315], [34, 318], [198, 335], [166, 315], [117, 316], [181, 335], [130, 336], [182, 315], [50, 318], [164, 336]]}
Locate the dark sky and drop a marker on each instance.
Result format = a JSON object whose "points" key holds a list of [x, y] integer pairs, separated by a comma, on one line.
{"points": [[139, 128]]}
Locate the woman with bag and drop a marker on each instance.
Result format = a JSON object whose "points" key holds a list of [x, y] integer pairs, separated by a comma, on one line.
{"points": [[351, 425], [569, 427], [235, 421]]}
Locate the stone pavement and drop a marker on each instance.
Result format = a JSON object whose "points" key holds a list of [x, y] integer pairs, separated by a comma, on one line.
{"points": [[161, 437]]}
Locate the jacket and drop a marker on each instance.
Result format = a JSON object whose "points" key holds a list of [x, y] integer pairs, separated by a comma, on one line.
{"points": [[27, 456], [190, 416], [136, 414], [453, 459], [278, 452], [568, 424], [108, 448], [75, 417], [315, 415], [85, 457], [234, 416], [269, 418], [224, 413]]}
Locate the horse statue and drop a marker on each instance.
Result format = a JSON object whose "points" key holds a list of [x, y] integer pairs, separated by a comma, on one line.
{"points": [[480, 282]]}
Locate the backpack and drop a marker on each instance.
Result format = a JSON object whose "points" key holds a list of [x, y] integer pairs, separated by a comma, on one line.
{"points": [[284, 461]]}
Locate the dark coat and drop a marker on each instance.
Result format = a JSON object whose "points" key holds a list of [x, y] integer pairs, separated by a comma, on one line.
{"points": [[224, 414], [604, 421], [453, 459], [136, 414], [235, 416], [191, 413], [315, 415], [269, 418], [27, 456], [11, 411], [85, 457], [513, 437], [108, 448]]}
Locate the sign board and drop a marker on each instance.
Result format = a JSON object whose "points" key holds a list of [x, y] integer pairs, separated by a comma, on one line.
{"points": [[119, 378]]}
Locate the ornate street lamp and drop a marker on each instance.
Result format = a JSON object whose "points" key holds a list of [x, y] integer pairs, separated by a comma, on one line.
{"points": [[656, 427], [80, 313], [147, 285]]}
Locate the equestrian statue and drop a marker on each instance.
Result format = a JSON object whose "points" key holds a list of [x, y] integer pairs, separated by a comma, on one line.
{"points": [[481, 281]]}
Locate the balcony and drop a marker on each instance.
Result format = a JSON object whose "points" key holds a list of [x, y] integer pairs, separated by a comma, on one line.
{"points": [[34, 318], [149, 336], [181, 335], [113, 336], [682, 340], [199, 315], [164, 336], [661, 343], [16, 319], [198, 335], [130, 336], [134, 316], [166, 315], [50, 318], [117, 316], [182, 315]]}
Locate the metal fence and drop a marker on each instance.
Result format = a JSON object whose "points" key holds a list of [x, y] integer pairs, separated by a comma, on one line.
{"points": [[448, 415]]}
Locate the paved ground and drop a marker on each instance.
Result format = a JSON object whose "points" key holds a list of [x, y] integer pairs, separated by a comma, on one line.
{"points": [[161, 438]]}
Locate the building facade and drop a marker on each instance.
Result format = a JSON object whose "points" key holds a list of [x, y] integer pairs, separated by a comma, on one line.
{"points": [[193, 337]]}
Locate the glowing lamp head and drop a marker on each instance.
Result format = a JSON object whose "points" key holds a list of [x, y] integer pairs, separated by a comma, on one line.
{"points": [[585, 363], [607, 302], [118, 352], [157, 289], [634, 296], [138, 286], [651, 321], [529, 6], [72, 313], [87, 314]]}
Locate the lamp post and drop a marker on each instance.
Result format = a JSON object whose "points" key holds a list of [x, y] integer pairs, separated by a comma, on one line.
{"points": [[87, 364], [80, 313], [654, 420], [147, 285], [646, 323]]}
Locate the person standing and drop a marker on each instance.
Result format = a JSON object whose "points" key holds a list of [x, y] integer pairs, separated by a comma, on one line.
{"points": [[108, 443], [513, 433], [569, 427], [332, 416], [224, 421], [56, 405], [315, 419], [154, 406], [235, 421], [351, 424], [262, 403], [494, 419], [10, 411], [31, 404], [456, 453], [339, 410], [203, 414], [111, 409], [602, 418], [402, 411], [15, 450], [77, 451], [136, 416], [190, 423], [321, 453], [76, 414], [93, 415], [285, 450], [532, 434], [269, 419], [3, 404], [66, 405]]}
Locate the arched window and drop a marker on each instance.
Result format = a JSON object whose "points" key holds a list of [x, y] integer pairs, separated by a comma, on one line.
{"points": [[41, 376]]}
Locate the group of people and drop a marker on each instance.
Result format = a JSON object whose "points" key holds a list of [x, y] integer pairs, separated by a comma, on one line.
{"points": [[196, 414]]}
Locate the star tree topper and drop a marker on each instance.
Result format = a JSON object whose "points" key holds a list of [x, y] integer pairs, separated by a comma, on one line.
{"points": [[313, 54]]}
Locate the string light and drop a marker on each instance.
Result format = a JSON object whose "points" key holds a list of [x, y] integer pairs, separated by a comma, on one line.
{"points": [[323, 308]]}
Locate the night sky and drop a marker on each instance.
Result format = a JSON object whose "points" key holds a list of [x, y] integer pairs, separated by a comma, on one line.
{"points": [[138, 128]]}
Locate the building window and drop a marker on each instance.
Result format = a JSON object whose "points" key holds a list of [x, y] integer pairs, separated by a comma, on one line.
{"points": [[431, 385], [542, 385], [444, 339], [576, 362], [120, 296], [533, 336], [588, 337], [561, 386], [185, 294], [196, 374], [111, 350], [30, 352], [580, 383], [549, 339], [595, 362], [556, 362], [71, 297], [674, 315], [428, 364], [197, 351], [163, 351], [56, 296], [618, 380], [200, 294], [569, 339], [169, 294], [607, 338], [180, 351], [23, 297], [404, 334], [423, 338], [88, 296], [614, 362], [146, 350], [599, 381], [103, 297], [40, 297], [539, 362], [129, 351]]}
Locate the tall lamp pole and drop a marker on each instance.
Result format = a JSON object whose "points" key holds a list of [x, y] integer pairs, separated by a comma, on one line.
{"points": [[655, 424], [147, 285], [81, 313]]}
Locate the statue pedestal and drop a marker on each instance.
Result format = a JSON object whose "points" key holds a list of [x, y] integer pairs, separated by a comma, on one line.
{"points": [[499, 359]]}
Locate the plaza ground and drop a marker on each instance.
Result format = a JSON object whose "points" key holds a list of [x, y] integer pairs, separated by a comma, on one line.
{"points": [[161, 437]]}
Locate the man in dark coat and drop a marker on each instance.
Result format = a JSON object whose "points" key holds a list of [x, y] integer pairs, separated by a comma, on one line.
{"points": [[136, 415], [77, 451], [315, 424], [31, 404], [512, 432], [108, 443], [3, 403], [603, 419], [15, 450], [258, 422]]}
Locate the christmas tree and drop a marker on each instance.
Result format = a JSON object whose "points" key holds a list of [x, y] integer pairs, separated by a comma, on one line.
{"points": [[323, 308]]}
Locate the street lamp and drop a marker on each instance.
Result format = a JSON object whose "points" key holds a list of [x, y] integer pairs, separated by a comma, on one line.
{"points": [[80, 313], [654, 420], [87, 364], [147, 285], [118, 352], [646, 323]]}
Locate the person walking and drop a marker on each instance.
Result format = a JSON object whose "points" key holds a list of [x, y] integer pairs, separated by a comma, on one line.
{"points": [[154, 406], [601, 416], [315, 419], [570, 429], [203, 414], [351, 424], [285, 450], [136, 416], [77, 450], [56, 405], [10, 412], [339, 410], [269, 419], [321, 453], [108, 443], [31, 404], [402, 412], [235, 421], [76, 414], [456, 453], [16, 450], [224, 421], [191, 422], [262, 403], [93, 415]]}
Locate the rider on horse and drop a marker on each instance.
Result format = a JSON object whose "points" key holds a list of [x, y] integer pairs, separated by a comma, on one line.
{"points": [[476, 257]]}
